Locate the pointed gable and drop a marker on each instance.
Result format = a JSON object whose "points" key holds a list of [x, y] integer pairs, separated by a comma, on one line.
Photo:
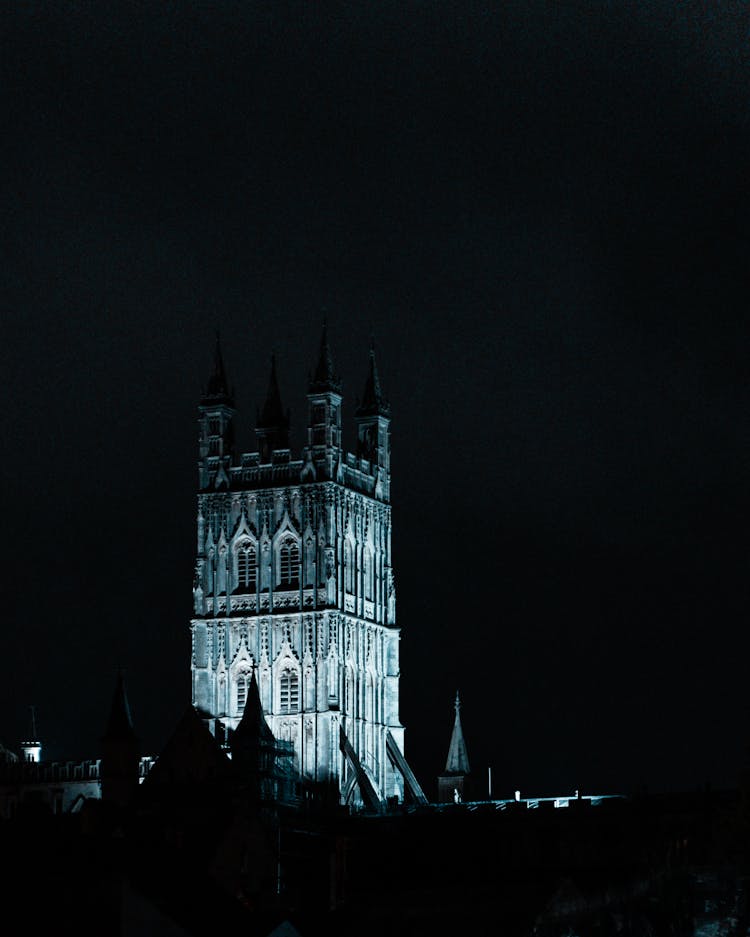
{"points": [[192, 755]]}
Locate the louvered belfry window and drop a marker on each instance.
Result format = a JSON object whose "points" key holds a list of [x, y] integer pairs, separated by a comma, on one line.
{"points": [[247, 569], [289, 691], [242, 682]]}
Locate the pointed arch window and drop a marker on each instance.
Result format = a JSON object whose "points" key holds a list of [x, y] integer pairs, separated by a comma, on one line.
{"points": [[349, 706], [367, 572], [348, 567], [243, 682], [289, 563], [247, 567], [370, 698], [289, 691]]}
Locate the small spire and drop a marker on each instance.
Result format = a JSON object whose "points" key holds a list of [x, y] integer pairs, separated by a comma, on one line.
{"points": [[324, 377], [272, 421], [458, 759], [120, 720], [32, 749], [252, 726], [272, 415], [373, 402], [218, 385]]}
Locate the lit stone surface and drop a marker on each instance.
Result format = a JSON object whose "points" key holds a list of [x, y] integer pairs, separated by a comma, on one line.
{"points": [[294, 579]]}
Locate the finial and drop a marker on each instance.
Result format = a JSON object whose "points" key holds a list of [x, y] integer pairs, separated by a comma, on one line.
{"points": [[457, 704]]}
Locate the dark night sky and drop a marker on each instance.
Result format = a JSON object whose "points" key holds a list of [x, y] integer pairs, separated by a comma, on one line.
{"points": [[538, 210]]}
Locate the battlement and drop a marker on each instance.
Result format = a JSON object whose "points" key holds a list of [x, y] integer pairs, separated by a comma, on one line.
{"points": [[20, 771], [249, 473]]}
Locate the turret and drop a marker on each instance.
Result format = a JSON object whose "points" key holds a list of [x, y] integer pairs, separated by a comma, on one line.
{"points": [[324, 413], [373, 418], [216, 426], [272, 424]]}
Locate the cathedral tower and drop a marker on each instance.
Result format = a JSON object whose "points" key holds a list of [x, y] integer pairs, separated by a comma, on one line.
{"points": [[294, 586]]}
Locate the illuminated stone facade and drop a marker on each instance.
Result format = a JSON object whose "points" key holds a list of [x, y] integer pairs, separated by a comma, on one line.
{"points": [[294, 580]]}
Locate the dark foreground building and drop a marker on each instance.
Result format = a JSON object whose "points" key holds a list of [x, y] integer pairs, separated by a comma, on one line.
{"points": [[211, 840], [283, 803]]}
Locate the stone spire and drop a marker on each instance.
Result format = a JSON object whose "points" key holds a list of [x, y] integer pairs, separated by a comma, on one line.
{"points": [[373, 402], [272, 415], [324, 379], [272, 424], [373, 419], [120, 750], [218, 385], [120, 721], [255, 750], [458, 760], [253, 728], [216, 426], [324, 417]]}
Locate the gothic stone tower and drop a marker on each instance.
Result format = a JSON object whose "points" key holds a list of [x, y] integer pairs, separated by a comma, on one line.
{"points": [[294, 582]]}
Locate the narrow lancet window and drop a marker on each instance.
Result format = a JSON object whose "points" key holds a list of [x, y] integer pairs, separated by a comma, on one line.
{"points": [[348, 567], [367, 572]]}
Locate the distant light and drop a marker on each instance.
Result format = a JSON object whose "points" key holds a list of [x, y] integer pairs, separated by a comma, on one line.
{"points": [[518, 795], [32, 751]]}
